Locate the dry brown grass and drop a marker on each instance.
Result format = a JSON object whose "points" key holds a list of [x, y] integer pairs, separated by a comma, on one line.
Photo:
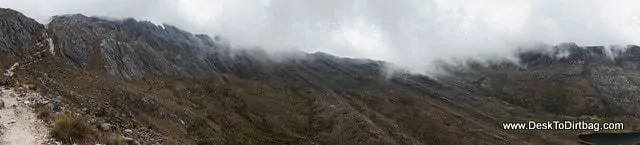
{"points": [[44, 112], [110, 139], [68, 129]]}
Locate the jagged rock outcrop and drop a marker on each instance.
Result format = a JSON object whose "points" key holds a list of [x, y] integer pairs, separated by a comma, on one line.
{"points": [[127, 48], [21, 37], [20, 33]]}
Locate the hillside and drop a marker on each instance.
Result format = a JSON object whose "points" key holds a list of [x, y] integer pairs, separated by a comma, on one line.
{"points": [[160, 84]]}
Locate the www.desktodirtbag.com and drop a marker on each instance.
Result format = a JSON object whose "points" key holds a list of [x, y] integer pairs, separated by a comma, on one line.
{"points": [[562, 125]]}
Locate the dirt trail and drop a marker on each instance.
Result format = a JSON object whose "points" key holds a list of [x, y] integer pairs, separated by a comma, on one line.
{"points": [[19, 123]]}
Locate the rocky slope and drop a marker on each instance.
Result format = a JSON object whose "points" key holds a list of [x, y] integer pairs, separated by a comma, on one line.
{"points": [[160, 84]]}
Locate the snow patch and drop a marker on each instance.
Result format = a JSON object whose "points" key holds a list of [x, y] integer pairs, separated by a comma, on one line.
{"points": [[609, 53], [51, 47]]}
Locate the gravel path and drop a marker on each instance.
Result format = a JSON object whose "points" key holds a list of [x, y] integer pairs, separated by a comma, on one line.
{"points": [[19, 123]]}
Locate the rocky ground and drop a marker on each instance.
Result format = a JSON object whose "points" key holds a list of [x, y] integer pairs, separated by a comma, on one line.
{"points": [[19, 123]]}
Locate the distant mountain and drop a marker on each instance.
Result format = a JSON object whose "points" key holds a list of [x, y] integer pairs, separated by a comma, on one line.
{"points": [[174, 87]]}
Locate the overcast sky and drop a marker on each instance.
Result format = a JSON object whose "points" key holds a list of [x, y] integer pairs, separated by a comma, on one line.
{"points": [[408, 32]]}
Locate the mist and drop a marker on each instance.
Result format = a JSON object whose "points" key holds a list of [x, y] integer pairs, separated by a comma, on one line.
{"points": [[409, 33]]}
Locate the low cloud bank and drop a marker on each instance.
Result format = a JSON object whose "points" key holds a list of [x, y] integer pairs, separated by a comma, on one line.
{"points": [[410, 33]]}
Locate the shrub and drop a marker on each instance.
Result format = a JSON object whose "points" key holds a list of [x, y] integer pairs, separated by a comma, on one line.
{"points": [[44, 112], [110, 139], [68, 128]]}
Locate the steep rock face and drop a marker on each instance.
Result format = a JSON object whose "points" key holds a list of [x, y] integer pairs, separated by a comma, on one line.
{"points": [[20, 36], [128, 48]]}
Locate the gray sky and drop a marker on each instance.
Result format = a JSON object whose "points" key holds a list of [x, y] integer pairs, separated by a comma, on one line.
{"points": [[411, 33]]}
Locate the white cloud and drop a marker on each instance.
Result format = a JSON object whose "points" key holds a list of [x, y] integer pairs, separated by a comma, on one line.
{"points": [[411, 33]]}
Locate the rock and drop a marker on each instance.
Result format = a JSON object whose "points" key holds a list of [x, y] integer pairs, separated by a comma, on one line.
{"points": [[12, 121], [9, 72], [27, 102], [55, 107], [129, 140], [128, 131], [107, 127]]}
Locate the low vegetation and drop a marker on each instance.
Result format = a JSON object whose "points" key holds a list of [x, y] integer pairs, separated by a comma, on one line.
{"points": [[44, 112], [69, 129], [110, 139]]}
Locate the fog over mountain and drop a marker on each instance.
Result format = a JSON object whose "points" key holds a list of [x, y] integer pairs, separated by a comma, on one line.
{"points": [[101, 78], [410, 33]]}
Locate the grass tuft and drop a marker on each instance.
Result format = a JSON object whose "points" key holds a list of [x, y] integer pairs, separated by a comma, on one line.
{"points": [[68, 128], [110, 139], [44, 112]]}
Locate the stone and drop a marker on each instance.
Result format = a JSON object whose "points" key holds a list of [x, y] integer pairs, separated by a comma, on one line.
{"points": [[9, 72], [107, 127], [55, 107], [129, 140], [128, 131]]}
